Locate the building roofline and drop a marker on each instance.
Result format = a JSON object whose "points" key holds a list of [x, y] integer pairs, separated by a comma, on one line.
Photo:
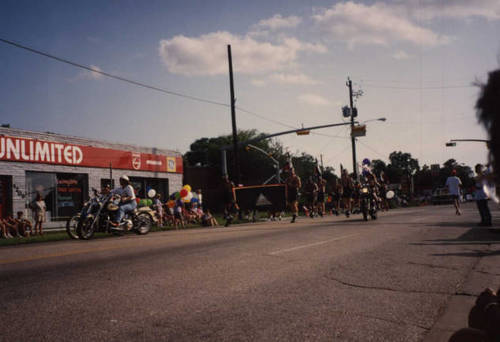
{"points": [[84, 141]]}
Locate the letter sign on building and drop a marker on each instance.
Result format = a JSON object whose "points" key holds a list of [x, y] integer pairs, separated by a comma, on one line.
{"points": [[19, 149]]}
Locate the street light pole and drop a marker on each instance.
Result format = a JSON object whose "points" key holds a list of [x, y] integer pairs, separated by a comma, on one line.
{"points": [[353, 139], [236, 175]]}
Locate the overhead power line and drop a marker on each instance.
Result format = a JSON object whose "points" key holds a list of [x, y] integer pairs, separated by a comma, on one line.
{"points": [[140, 84]]}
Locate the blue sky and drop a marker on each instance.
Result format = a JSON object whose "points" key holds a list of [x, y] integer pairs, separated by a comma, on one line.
{"points": [[414, 60]]}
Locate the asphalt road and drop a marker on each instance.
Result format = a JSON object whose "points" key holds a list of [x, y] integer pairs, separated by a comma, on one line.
{"points": [[409, 276]]}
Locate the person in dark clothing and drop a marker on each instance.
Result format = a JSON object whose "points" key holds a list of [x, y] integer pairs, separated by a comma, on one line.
{"points": [[293, 185], [230, 205], [311, 190]]}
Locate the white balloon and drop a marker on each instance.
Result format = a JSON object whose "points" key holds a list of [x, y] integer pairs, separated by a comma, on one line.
{"points": [[389, 194], [151, 193]]}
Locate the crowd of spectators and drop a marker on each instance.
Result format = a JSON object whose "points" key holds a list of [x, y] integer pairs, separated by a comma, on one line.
{"points": [[178, 213]]}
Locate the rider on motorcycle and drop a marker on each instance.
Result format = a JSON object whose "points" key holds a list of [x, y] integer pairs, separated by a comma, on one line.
{"points": [[127, 201]]}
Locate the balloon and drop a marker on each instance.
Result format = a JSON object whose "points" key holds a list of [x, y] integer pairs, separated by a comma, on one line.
{"points": [[366, 161], [177, 195], [187, 187], [183, 193], [151, 193], [194, 200], [171, 204], [188, 197], [329, 199], [389, 194]]}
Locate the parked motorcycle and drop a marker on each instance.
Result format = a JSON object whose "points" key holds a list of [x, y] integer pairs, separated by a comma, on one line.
{"points": [[97, 214], [368, 202]]}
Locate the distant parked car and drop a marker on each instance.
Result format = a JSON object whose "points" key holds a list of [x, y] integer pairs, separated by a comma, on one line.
{"points": [[441, 196]]}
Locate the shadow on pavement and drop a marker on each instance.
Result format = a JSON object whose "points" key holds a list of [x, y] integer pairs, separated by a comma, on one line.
{"points": [[474, 236]]}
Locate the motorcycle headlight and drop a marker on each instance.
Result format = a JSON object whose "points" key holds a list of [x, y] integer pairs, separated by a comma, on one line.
{"points": [[364, 190]]}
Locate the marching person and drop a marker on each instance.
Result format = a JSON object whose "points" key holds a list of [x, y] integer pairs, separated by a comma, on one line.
{"points": [[293, 184], [230, 205], [311, 190], [347, 191], [321, 196], [454, 184]]}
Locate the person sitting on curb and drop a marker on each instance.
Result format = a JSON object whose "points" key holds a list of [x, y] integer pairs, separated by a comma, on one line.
{"points": [[24, 226], [11, 227], [4, 229], [208, 220]]}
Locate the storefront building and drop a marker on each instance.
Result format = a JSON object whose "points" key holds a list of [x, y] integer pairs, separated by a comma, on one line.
{"points": [[64, 169]]}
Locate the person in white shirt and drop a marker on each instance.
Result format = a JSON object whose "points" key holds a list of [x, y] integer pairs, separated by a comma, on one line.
{"points": [[454, 184], [127, 201]]}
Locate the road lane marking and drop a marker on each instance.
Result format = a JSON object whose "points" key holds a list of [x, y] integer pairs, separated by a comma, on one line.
{"points": [[280, 251]]}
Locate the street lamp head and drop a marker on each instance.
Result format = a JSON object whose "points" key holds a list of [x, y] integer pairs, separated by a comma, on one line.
{"points": [[381, 119], [451, 144]]}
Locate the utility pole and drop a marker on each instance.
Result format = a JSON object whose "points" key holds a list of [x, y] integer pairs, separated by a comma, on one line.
{"points": [[236, 174], [353, 139]]}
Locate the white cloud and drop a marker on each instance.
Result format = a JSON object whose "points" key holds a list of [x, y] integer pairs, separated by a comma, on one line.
{"points": [[299, 79], [207, 54], [400, 55], [460, 9], [285, 78], [377, 24], [313, 99], [278, 22]]}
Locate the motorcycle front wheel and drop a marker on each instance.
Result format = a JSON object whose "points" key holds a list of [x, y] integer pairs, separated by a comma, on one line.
{"points": [[143, 224], [86, 229], [72, 226]]}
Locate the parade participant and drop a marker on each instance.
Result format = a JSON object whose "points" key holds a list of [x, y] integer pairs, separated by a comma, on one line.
{"points": [[347, 190], [311, 190], [384, 205], [293, 185], [454, 184], [127, 199], [481, 197], [356, 207], [230, 205], [321, 196]]}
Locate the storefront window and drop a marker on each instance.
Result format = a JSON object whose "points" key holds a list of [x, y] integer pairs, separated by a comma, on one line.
{"points": [[63, 193], [143, 185]]}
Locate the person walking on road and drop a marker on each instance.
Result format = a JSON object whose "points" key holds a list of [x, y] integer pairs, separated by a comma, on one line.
{"points": [[293, 185], [481, 197], [230, 205], [454, 184]]}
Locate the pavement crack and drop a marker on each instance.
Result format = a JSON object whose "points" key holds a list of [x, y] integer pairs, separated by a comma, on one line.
{"points": [[381, 288], [398, 323], [466, 294], [486, 272]]}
